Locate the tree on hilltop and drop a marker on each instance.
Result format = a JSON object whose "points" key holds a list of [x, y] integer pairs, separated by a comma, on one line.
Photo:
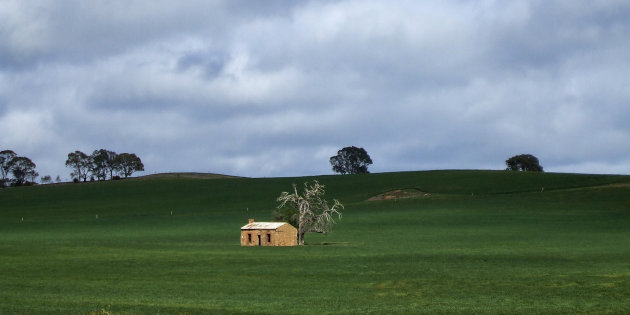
{"points": [[128, 163], [23, 169], [351, 160], [80, 164], [523, 162], [5, 170], [103, 163], [46, 179]]}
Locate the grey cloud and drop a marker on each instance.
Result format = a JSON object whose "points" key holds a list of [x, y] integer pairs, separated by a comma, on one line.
{"points": [[3, 106], [210, 64], [78, 31], [276, 89]]}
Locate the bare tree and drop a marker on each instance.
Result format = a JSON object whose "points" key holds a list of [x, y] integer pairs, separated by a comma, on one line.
{"points": [[314, 214]]}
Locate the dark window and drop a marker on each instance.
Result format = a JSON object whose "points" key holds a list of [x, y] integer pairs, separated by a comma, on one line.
{"points": [[249, 237], [268, 238]]}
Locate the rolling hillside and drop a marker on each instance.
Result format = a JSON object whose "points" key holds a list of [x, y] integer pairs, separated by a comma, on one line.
{"points": [[469, 241]]}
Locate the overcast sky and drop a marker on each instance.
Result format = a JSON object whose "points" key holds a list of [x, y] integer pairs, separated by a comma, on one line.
{"points": [[275, 88]]}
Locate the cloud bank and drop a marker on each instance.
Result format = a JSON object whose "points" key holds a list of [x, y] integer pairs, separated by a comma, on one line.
{"points": [[276, 88]]}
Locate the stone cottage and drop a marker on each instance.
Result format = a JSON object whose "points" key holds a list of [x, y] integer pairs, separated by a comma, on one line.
{"points": [[268, 234]]}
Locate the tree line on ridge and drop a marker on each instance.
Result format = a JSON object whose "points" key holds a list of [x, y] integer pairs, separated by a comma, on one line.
{"points": [[18, 170], [102, 163]]}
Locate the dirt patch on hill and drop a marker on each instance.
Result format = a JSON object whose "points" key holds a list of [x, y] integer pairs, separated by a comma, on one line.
{"points": [[400, 194]]}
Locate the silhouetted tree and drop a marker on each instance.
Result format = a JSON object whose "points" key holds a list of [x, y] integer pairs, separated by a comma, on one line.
{"points": [[128, 163], [5, 158], [523, 162], [351, 160], [103, 162], [46, 179], [80, 164], [22, 169]]}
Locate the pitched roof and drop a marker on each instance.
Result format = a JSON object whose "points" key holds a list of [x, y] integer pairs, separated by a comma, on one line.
{"points": [[263, 225]]}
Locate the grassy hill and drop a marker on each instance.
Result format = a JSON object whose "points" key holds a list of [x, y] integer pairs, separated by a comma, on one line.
{"points": [[468, 241]]}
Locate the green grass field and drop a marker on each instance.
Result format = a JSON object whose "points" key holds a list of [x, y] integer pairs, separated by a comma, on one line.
{"points": [[479, 242]]}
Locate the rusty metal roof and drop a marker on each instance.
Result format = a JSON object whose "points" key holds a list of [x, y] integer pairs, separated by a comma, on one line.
{"points": [[263, 225]]}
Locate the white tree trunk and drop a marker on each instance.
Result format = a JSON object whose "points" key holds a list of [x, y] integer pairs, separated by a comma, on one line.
{"points": [[314, 214]]}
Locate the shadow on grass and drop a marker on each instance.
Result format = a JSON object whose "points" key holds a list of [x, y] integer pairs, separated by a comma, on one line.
{"points": [[327, 243]]}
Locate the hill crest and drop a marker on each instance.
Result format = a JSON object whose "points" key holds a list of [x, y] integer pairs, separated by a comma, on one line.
{"points": [[186, 175]]}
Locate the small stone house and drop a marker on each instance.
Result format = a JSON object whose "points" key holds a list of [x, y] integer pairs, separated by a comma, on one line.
{"points": [[268, 234]]}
